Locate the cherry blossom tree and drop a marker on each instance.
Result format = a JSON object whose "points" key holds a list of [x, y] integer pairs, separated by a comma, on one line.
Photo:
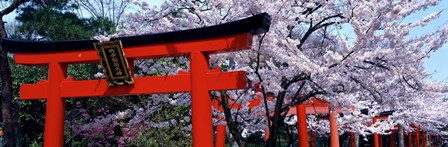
{"points": [[307, 53]]}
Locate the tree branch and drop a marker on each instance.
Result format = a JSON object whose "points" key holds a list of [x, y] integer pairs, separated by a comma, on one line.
{"points": [[233, 127], [369, 90], [12, 7], [417, 87], [319, 25]]}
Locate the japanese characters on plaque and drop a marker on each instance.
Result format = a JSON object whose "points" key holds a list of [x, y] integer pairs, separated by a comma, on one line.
{"points": [[114, 63]]}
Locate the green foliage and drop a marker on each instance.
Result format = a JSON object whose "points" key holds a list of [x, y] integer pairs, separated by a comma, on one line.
{"points": [[35, 144], [82, 71], [101, 25], [32, 113], [49, 24], [57, 22], [175, 135], [255, 139]]}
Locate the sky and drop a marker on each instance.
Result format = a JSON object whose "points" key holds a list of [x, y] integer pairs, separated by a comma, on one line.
{"points": [[436, 64]]}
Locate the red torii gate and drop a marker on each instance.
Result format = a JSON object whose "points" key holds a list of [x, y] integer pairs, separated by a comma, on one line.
{"points": [[196, 43], [312, 106], [315, 106], [377, 138], [220, 138]]}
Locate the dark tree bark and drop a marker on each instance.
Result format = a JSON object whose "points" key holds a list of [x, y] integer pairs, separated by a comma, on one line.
{"points": [[400, 136], [5, 72], [231, 123], [274, 128]]}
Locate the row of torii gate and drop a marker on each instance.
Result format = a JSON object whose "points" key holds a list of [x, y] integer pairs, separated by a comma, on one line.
{"points": [[117, 58], [315, 106]]}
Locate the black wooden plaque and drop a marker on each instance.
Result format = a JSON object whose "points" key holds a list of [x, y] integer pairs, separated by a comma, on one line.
{"points": [[114, 63]]}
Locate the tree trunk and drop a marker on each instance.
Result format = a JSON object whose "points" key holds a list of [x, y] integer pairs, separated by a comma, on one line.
{"points": [[10, 128], [232, 125], [276, 120], [5, 72], [400, 136], [16, 122]]}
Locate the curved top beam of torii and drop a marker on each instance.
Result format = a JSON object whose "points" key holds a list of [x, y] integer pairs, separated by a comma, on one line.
{"points": [[255, 25]]}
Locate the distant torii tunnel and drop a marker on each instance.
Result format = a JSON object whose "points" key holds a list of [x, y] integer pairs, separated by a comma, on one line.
{"points": [[307, 138]]}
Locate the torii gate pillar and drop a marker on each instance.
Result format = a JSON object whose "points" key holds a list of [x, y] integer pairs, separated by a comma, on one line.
{"points": [[56, 73], [302, 125], [200, 97], [334, 134]]}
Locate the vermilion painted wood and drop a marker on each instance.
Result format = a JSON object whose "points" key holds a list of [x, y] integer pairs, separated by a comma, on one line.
{"points": [[317, 110], [161, 84], [376, 140], [352, 139], [201, 110], [392, 139], [302, 126], [235, 105], [213, 45], [315, 102], [220, 136], [417, 137], [55, 109], [424, 139], [334, 135], [313, 143], [34, 91], [232, 104], [314, 106], [221, 129]]}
